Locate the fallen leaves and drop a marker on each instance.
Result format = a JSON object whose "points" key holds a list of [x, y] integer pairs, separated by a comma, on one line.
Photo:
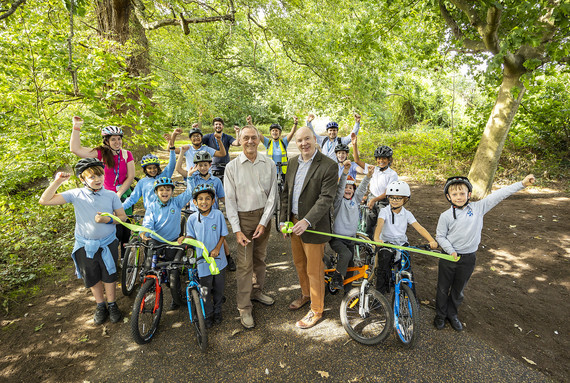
{"points": [[529, 361], [323, 374]]}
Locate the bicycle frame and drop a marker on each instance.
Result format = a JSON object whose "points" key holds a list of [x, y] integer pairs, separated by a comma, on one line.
{"points": [[193, 284]]}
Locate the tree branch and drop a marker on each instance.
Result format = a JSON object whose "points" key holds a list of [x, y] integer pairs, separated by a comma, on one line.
{"points": [[472, 46], [8, 13], [140, 13]]}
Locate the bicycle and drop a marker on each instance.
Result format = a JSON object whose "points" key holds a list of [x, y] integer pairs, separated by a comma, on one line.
{"points": [[147, 307], [364, 312], [280, 186], [132, 260]]}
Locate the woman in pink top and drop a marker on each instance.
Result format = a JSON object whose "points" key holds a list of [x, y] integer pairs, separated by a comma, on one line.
{"points": [[119, 164]]}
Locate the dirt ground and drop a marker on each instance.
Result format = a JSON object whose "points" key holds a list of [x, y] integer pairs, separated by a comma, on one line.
{"points": [[516, 300]]}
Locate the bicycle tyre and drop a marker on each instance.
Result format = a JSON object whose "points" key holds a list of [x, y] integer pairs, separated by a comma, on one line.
{"points": [[408, 314], [144, 318], [130, 269], [377, 323], [199, 320], [183, 221]]}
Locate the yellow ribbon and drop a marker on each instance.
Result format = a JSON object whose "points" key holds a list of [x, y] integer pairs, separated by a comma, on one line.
{"points": [[188, 241]]}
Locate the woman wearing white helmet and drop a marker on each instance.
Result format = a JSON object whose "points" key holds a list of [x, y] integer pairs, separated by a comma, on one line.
{"points": [[393, 221], [119, 164]]}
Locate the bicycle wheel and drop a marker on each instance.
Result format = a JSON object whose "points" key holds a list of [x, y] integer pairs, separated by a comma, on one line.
{"points": [[132, 262], [407, 316], [199, 321], [146, 313], [376, 323]]}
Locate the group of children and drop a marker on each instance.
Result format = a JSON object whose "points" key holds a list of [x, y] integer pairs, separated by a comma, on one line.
{"points": [[458, 230], [95, 252]]}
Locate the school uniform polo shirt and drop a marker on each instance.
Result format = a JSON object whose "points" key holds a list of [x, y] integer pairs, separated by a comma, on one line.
{"points": [[208, 230], [395, 233], [165, 220], [189, 154], [87, 204], [196, 179]]}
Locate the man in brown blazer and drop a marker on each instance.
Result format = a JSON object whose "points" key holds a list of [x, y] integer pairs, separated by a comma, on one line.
{"points": [[307, 200]]}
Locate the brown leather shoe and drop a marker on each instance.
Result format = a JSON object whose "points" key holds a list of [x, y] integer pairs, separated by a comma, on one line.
{"points": [[309, 320], [299, 302]]}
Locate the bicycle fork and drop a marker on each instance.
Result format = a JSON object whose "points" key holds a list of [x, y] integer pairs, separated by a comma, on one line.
{"points": [[158, 292]]}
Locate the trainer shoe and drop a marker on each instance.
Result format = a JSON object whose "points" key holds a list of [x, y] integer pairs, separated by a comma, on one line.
{"points": [[247, 320], [439, 322], [231, 263], [337, 281], [264, 299], [455, 324], [217, 318], [209, 322], [114, 313], [101, 314]]}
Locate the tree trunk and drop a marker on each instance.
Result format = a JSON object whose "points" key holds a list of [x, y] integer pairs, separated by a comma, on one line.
{"points": [[486, 159]]}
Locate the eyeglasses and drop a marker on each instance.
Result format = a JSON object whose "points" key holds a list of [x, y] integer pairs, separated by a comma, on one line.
{"points": [[394, 198]]}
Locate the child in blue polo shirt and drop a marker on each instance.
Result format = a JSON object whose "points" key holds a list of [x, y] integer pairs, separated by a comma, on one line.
{"points": [[209, 227], [163, 217], [96, 246], [150, 165]]}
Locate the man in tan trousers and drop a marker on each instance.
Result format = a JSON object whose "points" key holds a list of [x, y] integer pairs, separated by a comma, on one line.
{"points": [[308, 194], [250, 183]]}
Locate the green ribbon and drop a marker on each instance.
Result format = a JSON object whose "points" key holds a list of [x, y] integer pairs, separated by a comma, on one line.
{"points": [[288, 226], [188, 241]]}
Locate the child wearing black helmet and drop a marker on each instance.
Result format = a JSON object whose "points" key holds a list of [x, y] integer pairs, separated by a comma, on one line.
{"points": [[382, 177], [459, 234], [196, 136], [95, 252], [209, 227]]}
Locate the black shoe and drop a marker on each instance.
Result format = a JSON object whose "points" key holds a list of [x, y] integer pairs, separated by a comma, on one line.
{"points": [[101, 314], [209, 322], [337, 280], [455, 324], [217, 318], [114, 313], [173, 306], [439, 322], [231, 263]]}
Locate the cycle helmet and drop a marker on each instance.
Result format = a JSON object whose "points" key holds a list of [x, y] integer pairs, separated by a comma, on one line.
{"points": [[111, 131], [195, 130], [163, 181], [275, 126], [398, 188], [341, 148], [332, 125], [202, 156], [350, 180], [204, 188], [457, 180], [383, 151], [86, 163], [149, 159]]}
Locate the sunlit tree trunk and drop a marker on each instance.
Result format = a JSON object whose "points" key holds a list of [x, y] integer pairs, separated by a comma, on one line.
{"points": [[489, 151]]}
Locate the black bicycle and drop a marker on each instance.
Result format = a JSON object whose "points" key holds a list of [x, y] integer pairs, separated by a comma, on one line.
{"points": [[133, 259]]}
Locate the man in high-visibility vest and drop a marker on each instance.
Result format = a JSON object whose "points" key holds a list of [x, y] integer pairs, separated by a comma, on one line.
{"points": [[277, 146]]}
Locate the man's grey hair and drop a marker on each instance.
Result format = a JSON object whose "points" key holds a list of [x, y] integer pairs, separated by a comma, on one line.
{"points": [[250, 127]]}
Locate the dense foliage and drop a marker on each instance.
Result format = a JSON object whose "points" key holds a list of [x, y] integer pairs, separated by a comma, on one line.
{"points": [[391, 61]]}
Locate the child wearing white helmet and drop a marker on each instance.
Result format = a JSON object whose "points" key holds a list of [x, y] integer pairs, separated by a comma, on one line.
{"points": [[393, 221]]}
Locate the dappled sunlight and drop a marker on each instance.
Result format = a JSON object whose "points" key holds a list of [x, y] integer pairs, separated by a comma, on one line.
{"points": [[289, 288], [504, 262], [328, 330]]}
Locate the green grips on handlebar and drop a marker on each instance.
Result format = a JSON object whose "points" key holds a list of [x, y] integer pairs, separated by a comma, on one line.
{"points": [[287, 228]]}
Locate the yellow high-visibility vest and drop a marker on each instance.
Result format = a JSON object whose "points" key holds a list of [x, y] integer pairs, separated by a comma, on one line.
{"points": [[283, 153]]}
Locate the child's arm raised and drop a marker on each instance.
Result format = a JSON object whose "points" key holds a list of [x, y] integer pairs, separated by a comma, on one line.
{"points": [[179, 162], [49, 197], [424, 233]]}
